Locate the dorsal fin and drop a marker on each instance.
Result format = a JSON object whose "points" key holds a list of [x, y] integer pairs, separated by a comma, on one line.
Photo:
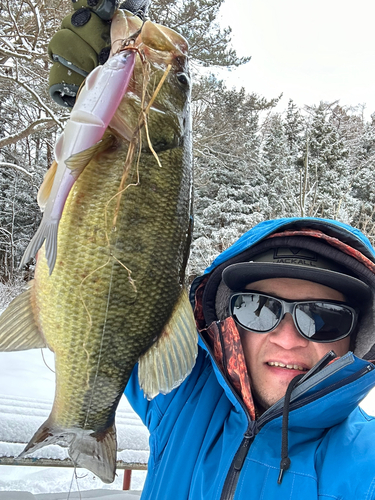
{"points": [[18, 328]]}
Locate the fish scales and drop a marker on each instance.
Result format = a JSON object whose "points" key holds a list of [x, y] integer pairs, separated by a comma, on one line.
{"points": [[111, 292], [143, 241]]}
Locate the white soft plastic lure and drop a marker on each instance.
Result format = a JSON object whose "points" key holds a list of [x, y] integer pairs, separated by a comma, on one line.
{"points": [[95, 106]]}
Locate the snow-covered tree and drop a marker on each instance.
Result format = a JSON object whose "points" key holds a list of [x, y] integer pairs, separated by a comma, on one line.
{"points": [[229, 186], [30, 120]]}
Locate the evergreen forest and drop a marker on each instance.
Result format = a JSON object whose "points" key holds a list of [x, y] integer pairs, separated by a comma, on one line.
{"points": [[251, 162]]}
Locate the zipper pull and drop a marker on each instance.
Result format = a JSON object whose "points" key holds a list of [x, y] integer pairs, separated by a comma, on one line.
{"points": [[244, 449], [241, 455]]}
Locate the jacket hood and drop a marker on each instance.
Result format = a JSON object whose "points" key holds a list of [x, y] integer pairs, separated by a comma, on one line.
{"points": [[343, 232], [344, 244]]}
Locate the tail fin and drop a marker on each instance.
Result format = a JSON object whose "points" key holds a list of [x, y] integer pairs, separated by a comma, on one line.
{"points": [[95, 451], [46, 231]]}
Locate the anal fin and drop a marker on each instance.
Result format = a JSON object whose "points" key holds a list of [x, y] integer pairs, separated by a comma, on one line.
{"points": [[172, 357], [18, 329]]}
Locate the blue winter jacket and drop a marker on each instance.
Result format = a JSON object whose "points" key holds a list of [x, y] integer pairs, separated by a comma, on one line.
{"points": [[204, 446]]}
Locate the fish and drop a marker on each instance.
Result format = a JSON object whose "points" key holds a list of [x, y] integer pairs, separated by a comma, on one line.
{"points": [[116, 295], [74, 148]]}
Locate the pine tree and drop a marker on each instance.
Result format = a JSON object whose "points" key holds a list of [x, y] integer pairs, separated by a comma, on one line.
{"points": [[228, 182], [328, 167], [281, 175], [195, 20]]}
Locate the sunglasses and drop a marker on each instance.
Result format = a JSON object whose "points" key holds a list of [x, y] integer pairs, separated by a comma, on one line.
{"points": [[316, 320]]}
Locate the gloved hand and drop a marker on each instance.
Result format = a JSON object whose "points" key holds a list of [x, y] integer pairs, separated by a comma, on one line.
{"points": [[82, 43]]}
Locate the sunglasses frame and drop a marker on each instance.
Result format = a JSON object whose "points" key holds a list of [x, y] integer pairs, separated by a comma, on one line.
{"points": [[289, 306]]}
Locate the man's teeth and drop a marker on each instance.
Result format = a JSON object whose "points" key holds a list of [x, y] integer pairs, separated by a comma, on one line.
{"points": [[290, 367]]}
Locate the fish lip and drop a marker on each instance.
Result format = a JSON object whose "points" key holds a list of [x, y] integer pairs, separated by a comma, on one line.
{"points": [[303, 365]]}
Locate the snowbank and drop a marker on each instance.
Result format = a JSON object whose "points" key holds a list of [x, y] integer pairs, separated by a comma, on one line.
{"points": [[27, 387], [96, 494]]}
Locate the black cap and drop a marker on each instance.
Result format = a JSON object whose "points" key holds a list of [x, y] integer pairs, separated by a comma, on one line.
{"points": [[297, 263]]}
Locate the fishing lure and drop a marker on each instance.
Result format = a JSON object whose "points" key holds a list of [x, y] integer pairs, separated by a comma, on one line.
{"points": [[76, 146]]}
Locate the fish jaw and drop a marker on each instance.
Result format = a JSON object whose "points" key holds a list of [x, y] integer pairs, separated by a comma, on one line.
{"points": [[160, 42], [164, 52]]}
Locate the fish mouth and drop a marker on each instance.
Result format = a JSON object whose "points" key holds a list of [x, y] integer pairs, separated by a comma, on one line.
{"points": [[160, 51], [157, 43]]}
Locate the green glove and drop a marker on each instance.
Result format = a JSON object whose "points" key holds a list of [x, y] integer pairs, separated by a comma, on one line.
{"points": [[82, 43]]}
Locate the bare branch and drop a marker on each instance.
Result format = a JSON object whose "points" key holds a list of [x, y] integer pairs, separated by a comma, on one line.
{"points": [[37, 126], [16, 167], [17, 55], [35, 95], [35, 10]]}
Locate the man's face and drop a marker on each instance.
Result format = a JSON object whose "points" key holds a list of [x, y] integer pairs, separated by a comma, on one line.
{"points": [[284, 345]]}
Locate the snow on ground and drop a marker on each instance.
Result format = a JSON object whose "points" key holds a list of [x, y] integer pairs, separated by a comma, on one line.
{"points": [[92, 494], [26, 394]]}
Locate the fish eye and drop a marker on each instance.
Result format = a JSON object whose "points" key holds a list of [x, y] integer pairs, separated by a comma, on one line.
{"points": [[182, 78]]}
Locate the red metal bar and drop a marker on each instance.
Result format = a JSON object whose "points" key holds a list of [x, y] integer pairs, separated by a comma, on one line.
{"points": [[127, 479]]}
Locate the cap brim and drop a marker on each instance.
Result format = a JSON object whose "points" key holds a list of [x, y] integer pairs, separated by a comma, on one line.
{"points": [[237, 276]]}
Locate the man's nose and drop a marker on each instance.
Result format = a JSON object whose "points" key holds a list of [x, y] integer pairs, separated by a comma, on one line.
{"points": [[286, 334]]}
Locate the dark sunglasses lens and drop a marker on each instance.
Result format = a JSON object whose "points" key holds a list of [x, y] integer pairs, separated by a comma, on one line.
{"points": [[255, 312], [323, 322]]}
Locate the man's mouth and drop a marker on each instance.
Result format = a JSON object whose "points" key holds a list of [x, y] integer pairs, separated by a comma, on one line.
{"points": [[289, 367]]}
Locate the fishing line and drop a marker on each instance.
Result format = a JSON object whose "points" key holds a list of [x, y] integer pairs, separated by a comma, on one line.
{"points": [[143, 121], [76, 476], [137, 137], [132, 145], [89, 315], [71, 483], [45, 362], [101, 342], [127, 166]]}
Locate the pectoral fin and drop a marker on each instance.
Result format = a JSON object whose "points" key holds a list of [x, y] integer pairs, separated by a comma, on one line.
{"points": [[170, 360], [46, 187], [78, 162], [18, 329]]}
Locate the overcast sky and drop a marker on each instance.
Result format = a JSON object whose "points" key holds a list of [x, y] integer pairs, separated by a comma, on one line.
{"points": [[309, 50]]}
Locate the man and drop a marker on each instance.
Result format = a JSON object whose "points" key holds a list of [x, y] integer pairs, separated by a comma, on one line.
{"points": [[270, 409], [279, 309]]}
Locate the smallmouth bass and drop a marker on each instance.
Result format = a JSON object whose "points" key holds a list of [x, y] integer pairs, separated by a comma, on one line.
{"points": [[115, 294]]}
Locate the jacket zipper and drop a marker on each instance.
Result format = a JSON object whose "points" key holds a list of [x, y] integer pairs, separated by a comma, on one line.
{"points": [[233, 475], [231, 481]]}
